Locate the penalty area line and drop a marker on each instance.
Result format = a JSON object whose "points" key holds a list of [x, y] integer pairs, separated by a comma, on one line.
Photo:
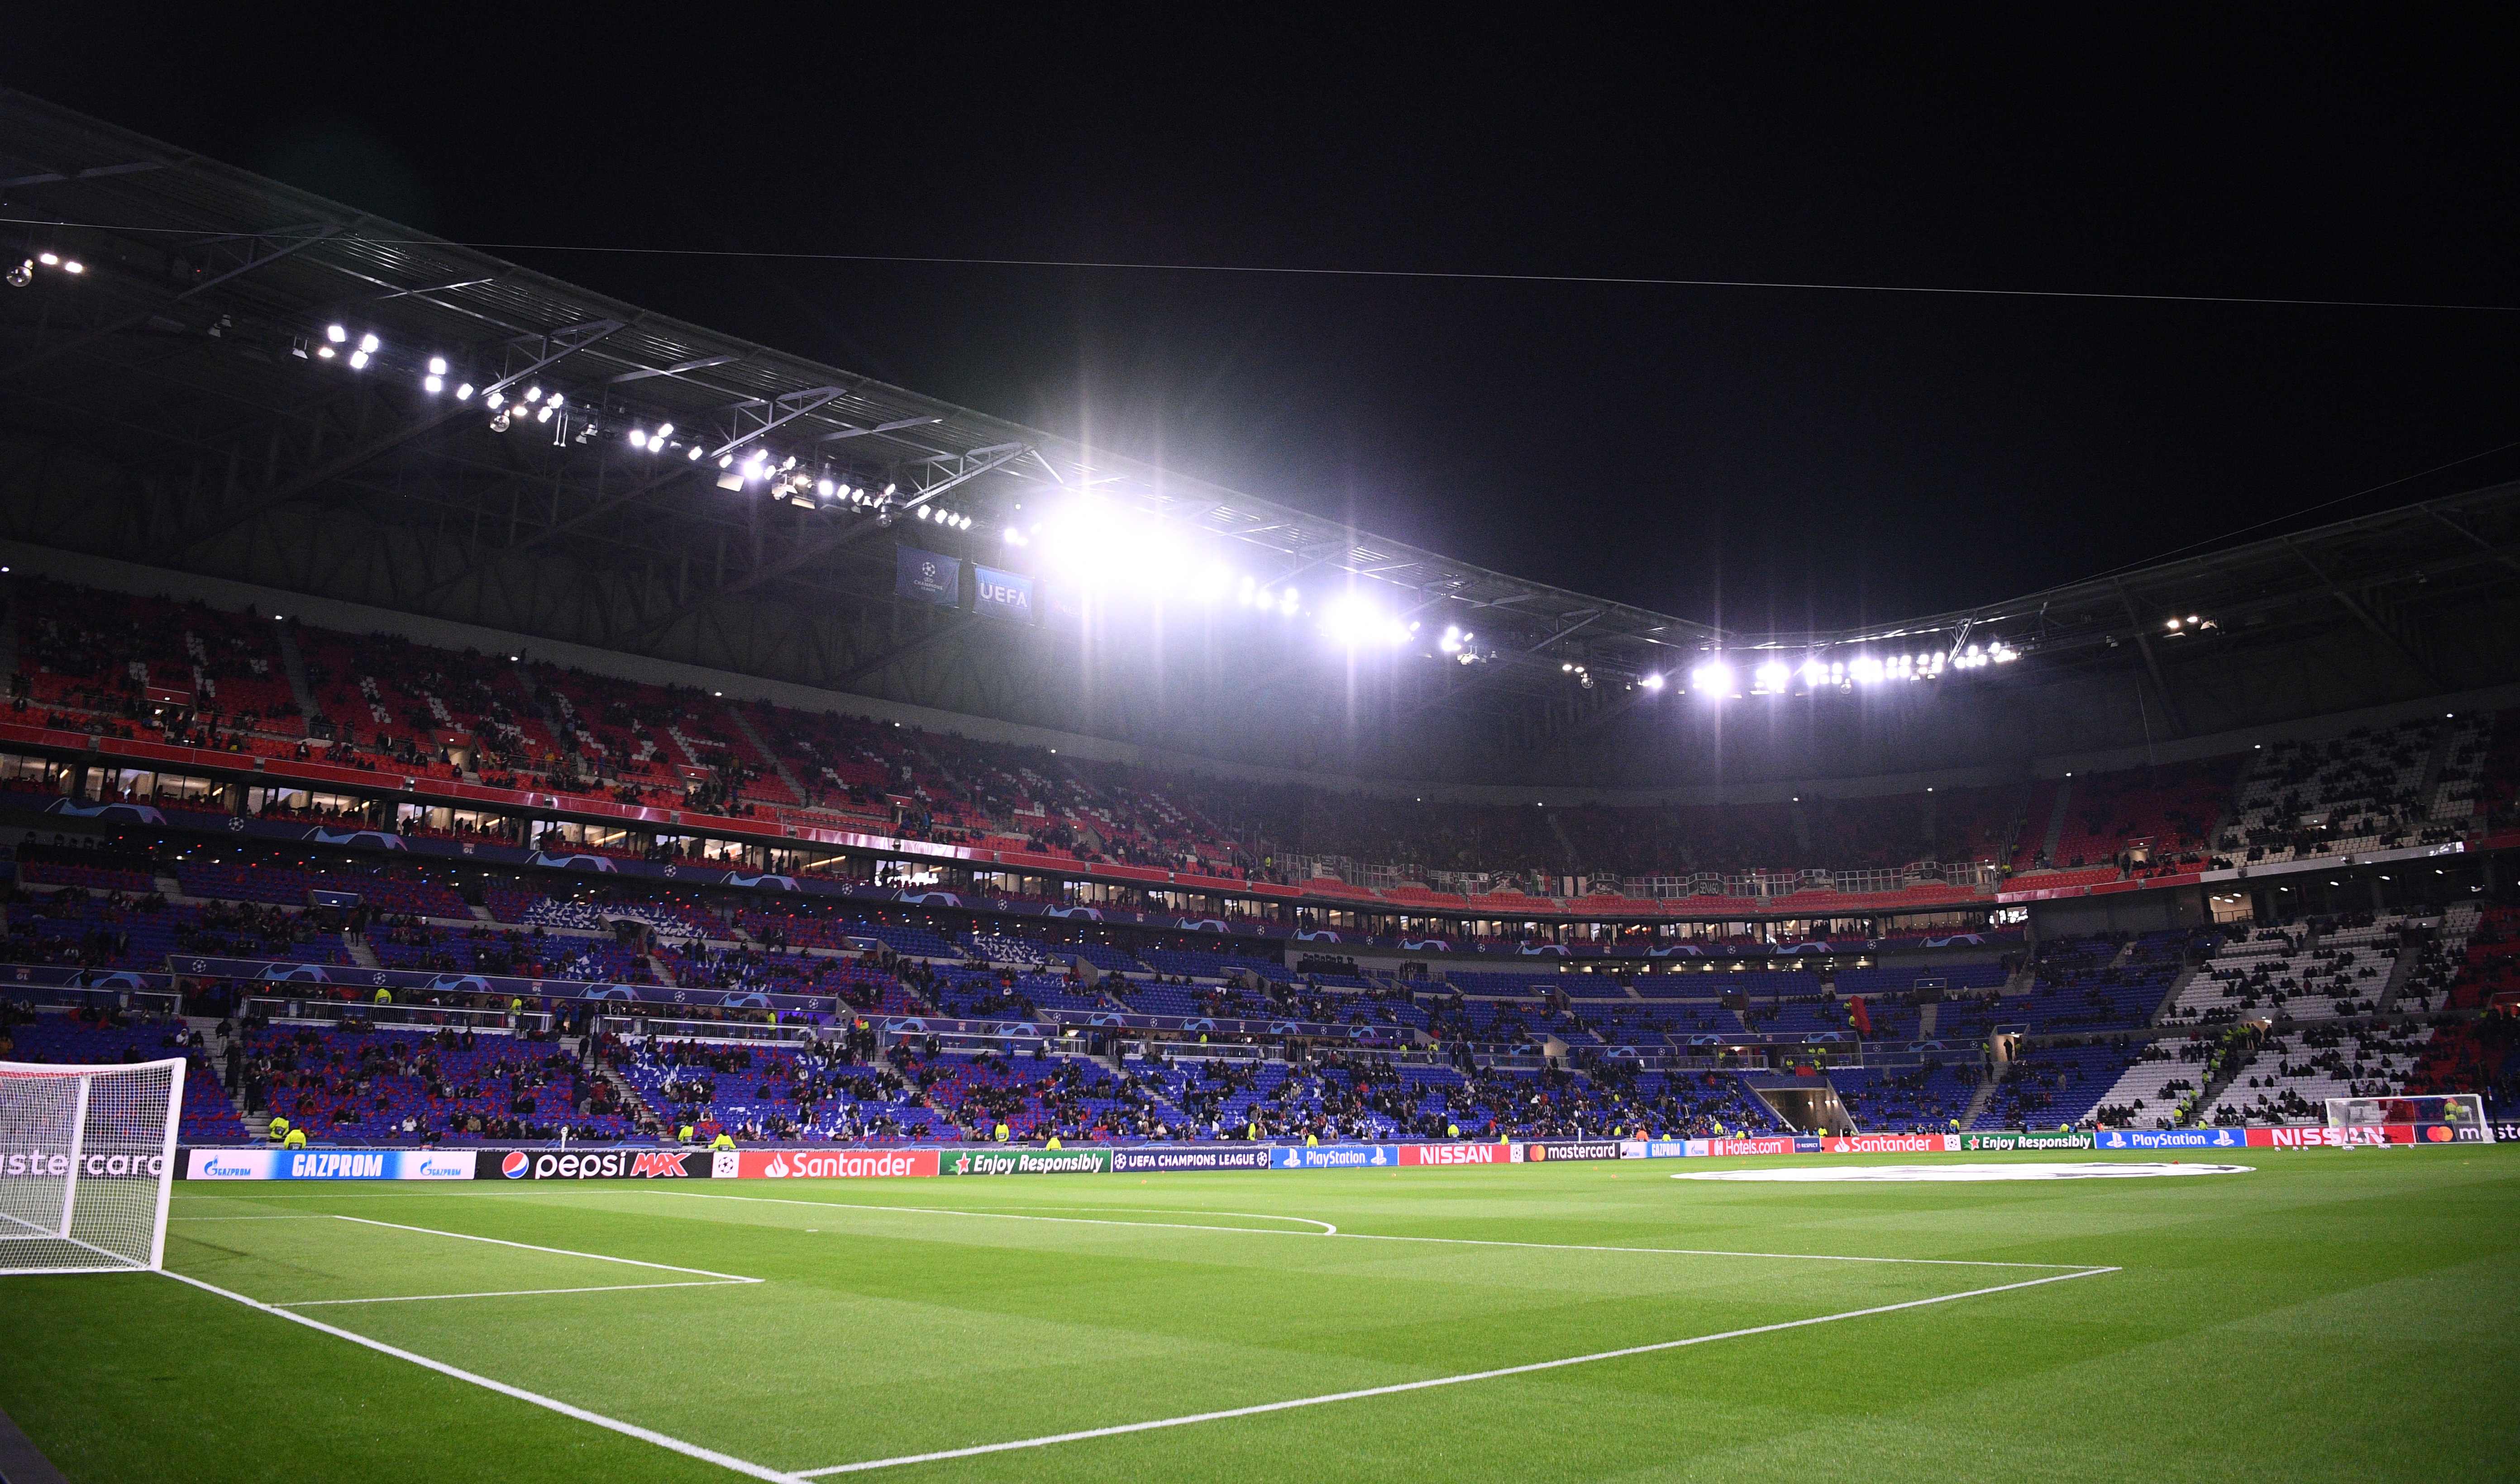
{"points": [[1431, 1382], [425, 1298], [501, 1242], [549, 1404]]}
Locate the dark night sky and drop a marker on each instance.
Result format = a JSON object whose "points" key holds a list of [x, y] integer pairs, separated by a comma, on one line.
{"points": [[1764, 456]]}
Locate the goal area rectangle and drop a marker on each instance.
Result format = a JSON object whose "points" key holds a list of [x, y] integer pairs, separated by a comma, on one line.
{"points": [[2459, 1109], [87, 1164]]}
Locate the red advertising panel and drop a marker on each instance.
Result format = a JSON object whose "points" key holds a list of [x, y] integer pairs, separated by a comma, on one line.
{"points": [[1888, 1144], [832, 1164], [1749, 1146], [2319, 1137], [1456, 1153]]}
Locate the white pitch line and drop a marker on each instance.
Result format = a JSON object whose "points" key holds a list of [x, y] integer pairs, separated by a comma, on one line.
{"points": [[536, 1398], [422, 1298], [1434, 1381], [1459, 1241], [501, 1242]]}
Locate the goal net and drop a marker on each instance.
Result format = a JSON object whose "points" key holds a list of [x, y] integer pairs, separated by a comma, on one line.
{"points": [[2458, 1109], [87, 1156]]}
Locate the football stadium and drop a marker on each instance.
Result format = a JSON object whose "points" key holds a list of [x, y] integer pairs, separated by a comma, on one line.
{"points": [[589, 896]]}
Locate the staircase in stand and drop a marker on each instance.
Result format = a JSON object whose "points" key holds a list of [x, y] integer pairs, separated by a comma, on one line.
{"points": [[293, 662], [2053, 834], [778, 764], [1978, 1101], [361, 952]]}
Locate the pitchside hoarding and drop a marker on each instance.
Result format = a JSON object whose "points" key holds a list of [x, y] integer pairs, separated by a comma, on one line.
{"points": [[1973, 1144], [1013, 1161], [837, 1164], [1460, 1154], [1337, 1156], [594, 1164], [1135, 1161], [1546, 1150], [2173, 1138], [328, 1164]]}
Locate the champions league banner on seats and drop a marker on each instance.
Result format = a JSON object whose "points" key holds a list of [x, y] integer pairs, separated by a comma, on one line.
{"points": [[927, 577], [1002, 595]]}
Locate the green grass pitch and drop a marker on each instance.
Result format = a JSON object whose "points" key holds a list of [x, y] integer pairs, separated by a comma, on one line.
{"points": [[2335, 1314]]}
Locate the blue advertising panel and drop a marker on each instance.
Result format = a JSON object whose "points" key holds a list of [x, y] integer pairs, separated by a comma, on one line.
{"points": [[1337, 1156], [2173, 1138], [927, 577], [1002, 595]]}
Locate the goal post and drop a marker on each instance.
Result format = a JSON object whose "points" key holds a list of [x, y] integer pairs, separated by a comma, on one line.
{"points": [[87, 1164], [2458, 1109]]}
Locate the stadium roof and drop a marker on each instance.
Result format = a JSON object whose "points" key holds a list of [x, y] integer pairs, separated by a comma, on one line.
{"points": [[188, 359]]}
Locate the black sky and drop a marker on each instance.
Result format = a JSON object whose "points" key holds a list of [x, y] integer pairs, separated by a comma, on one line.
{"points": [[1761, 456]]}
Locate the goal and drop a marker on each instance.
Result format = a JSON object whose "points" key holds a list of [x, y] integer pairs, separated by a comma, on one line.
{"points": [[2464, 1111], [87, 1157]]}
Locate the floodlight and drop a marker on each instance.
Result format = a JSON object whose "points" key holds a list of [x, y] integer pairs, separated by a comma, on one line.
{"points": [[370, 344], [1771, 675], [464, 392], [557, 400], [1650, 680], [923, 512], [544, 416], [437, 365], [1286, 601], [695, 453], [664, 430], [54, 259], [494, 399], [358, 360], [888, 489], [534, 393], [827, 489], [432, 385], [638, 437], [334, 332], [1814, 672], [1713, 677], [324, 351], [73, 266]]}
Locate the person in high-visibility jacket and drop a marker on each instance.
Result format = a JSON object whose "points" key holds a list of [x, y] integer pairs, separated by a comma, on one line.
{"points": [[384, 995], [1451, 1130], [723, 1140], [684, 1134], [1054, 1143], [296, 1140], [279, 1129], [1312, 1142], [1001, 1132]]}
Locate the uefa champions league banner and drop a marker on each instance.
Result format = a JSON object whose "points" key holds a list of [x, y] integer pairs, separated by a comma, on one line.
{"points": [[1249, 1156]]}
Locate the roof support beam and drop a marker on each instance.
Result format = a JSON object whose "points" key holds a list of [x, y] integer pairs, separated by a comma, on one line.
{"points": [[1492, 669], [818, 548], [556, 347], [260, 255], [2152, 662], [2370, 620], [875, 664]]}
